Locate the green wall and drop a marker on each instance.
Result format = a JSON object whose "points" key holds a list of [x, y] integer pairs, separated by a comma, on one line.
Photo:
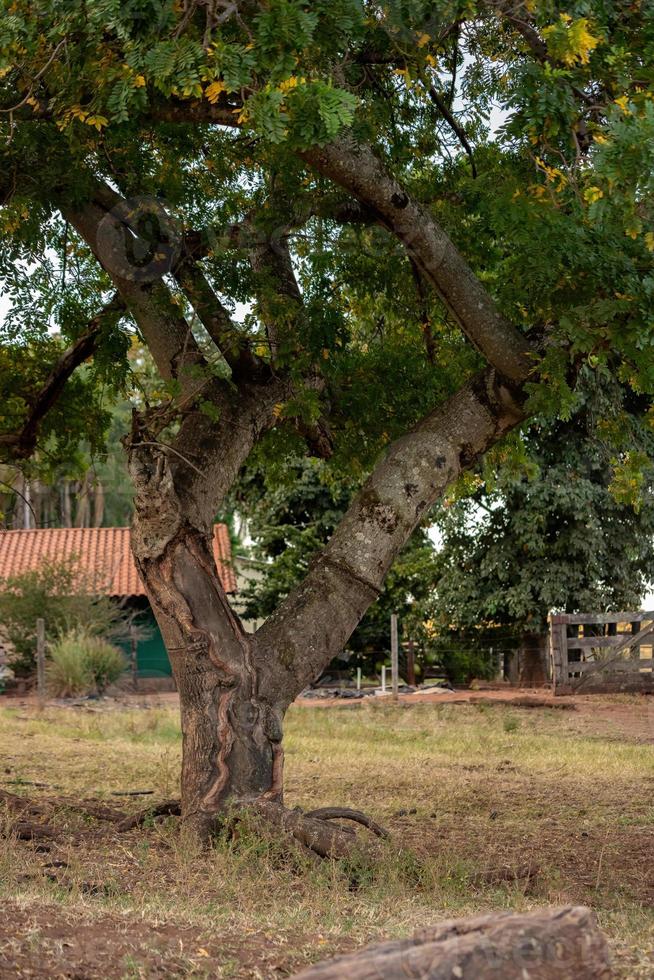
{"points": [[151, 657]]}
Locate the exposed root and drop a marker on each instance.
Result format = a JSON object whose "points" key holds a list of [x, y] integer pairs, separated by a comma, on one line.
{"points": [[345, 813], [22, 828], [169, 808], [314, 830], [25, 830]]}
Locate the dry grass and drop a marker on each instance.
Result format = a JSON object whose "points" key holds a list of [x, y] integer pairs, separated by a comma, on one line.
{"points": [[488, 807]]}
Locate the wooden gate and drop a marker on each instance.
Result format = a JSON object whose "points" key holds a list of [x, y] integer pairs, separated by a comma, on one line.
{"points": [[593, 653]]}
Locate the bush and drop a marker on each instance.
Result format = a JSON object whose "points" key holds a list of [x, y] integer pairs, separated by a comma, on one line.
{"points": [[64, 596], [82, 664]]}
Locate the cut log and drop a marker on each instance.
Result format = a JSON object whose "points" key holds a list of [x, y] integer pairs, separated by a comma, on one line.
{"points": [[548, 944]]}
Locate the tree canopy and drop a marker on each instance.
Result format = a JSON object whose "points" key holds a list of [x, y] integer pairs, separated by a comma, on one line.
{"points": [[117, 101]]}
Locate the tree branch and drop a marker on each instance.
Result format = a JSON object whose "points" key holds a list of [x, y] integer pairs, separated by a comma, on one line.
{"points": [[458, 130], [22, 444], [317, 618], [231, 343], [517, 13], [355, 167], [166, 332]]}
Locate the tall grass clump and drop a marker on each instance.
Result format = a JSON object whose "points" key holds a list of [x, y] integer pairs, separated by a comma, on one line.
{"points": [[82, 664]]}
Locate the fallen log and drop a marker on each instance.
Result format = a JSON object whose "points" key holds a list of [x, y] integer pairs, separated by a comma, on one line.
{"points": [[548, 944]]}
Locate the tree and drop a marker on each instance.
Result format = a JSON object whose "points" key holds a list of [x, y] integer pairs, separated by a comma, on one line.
{"points": [[556, 534], [291, 519], [163, 162]]}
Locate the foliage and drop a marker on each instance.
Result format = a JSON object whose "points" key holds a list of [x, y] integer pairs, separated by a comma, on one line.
{"points": [[560, 535], [557, 223], [64, 597], [81, 663]]}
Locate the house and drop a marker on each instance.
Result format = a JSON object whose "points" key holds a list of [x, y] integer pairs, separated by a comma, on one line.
{"points": [[104, 556]]}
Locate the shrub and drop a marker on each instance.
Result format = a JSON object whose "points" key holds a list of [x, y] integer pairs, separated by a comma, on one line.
{"points": [[62, 594], [81, 664]]}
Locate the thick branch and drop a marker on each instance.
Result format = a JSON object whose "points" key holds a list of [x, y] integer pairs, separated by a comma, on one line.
{"points": [[278, 294], [355, 167], [313, 624], [164, 330], [218, 323], [21, 445]]}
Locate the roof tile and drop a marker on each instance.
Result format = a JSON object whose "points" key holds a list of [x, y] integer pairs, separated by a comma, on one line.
{"points": [[103, 552]]}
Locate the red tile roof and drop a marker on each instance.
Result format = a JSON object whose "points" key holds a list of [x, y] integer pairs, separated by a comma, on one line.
{"points": [[101, 551]]}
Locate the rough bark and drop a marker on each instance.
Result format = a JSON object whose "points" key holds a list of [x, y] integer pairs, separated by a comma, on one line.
{"points": [[549, 944], [231, 736]]}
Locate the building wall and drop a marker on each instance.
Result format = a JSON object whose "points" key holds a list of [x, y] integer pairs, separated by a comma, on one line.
{"points": [[151, 657]]}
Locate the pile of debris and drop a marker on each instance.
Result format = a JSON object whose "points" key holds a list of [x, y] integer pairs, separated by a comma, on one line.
{"points": [[328, 693]]}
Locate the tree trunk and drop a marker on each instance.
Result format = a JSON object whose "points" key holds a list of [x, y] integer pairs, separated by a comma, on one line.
{"points": [[231, 736], [235, 687]]}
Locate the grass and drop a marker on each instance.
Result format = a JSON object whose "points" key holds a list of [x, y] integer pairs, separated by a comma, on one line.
{"points": [[489, 808]]}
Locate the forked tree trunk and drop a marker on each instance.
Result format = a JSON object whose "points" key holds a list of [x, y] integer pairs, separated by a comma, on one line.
{"points": [[231, 737], [234, 687]]}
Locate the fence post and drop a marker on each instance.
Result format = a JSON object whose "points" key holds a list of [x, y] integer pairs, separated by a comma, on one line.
{"points": [[394, 655], [40, 659]]}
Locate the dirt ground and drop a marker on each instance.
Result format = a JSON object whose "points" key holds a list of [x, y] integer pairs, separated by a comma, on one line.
{"points": [[494, 800], [43, 940]]}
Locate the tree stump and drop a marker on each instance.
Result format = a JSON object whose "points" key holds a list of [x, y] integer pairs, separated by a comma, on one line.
{"points": [[548, 944]]}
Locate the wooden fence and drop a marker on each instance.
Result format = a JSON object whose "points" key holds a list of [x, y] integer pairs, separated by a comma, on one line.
{"points": [[595, 653]]}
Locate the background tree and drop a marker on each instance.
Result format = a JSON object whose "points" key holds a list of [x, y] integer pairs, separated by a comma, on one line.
{"points": [[557, 533], [405, 309]]}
